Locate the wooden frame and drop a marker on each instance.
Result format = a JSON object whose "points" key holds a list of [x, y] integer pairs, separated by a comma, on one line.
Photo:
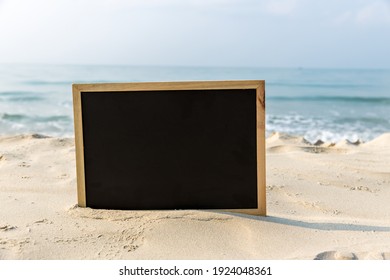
{"points": [[258, 85]]}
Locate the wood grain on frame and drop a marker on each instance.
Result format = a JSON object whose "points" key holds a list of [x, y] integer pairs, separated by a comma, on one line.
{"points": [[79, 143], [258, 85], [261, 166]]}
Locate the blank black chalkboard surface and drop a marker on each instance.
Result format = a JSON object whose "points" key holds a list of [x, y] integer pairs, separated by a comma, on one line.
{"points": [[171, 145]]}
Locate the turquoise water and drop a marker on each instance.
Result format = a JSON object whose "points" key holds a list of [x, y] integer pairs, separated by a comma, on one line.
{"points": [[325, 104]]}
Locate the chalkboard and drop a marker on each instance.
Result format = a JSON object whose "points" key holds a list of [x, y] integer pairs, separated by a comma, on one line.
{"points": [[179, 145]]}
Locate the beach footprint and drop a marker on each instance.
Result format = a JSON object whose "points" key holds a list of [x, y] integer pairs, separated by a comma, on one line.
{"points": [[12, 248]]}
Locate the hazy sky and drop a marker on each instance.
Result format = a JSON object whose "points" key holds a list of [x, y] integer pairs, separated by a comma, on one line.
{"points": [[261, 33]]}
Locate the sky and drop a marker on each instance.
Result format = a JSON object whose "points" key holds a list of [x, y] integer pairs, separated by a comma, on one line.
{"points": [[238, 33]]}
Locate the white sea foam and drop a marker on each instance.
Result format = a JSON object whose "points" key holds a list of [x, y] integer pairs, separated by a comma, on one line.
{"points": [[326, 129]]}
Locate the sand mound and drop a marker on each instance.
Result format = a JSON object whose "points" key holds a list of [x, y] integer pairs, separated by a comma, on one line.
{"points": [[382, 141], [337, 255], [284, 143], [306, 149], [283, 138]]}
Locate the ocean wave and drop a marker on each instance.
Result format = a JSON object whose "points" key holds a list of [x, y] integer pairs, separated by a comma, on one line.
{"points": [[55, 125], [365, 120], [12, 117], [22, 99], [18, 93], [20, 96], [332, 129], [64, 82], [355, 99], [42, 82], [43, 119], [321, 85]]}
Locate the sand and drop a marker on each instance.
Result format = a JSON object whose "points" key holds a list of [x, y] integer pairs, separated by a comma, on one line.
{"points": [[325, 201]]}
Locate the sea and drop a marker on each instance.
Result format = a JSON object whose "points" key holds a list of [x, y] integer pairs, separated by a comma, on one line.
{"points": [[326, 104]]}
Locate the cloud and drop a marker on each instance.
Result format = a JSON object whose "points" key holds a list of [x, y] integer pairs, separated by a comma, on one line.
{"points": [[376, 13], [1, 3], [281, 7]]}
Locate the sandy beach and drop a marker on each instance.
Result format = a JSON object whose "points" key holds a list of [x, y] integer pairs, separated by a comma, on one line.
{"points": [[324, 201]]}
